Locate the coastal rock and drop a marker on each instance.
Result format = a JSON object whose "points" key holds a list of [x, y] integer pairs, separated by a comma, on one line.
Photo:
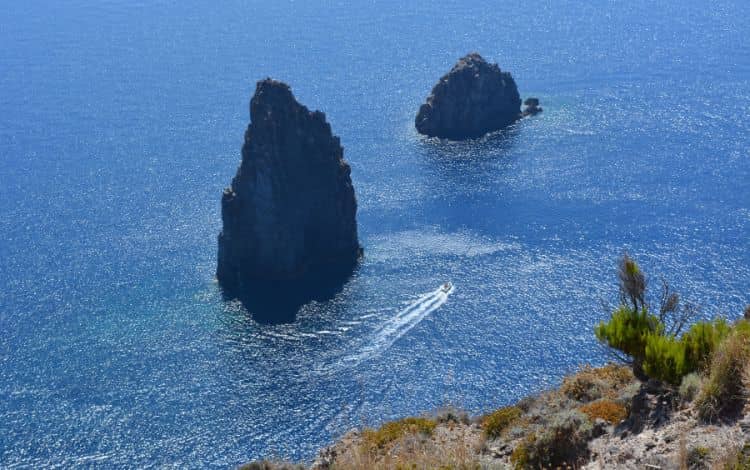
{"points": [[474, 98], [290, 211], [532, 107]]}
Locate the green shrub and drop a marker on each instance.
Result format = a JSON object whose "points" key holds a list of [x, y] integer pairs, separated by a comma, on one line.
{"points": [[665, 359], [669, 359], [496, 422], [640, 335], [628, 330], [742, 327], [701, 340]]}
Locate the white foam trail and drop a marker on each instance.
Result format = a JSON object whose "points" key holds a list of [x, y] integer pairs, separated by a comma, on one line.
{"points": [[398, 326], [369, 315]]}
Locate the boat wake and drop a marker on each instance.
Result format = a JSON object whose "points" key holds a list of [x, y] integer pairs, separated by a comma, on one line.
{"points": [[398, 326]]}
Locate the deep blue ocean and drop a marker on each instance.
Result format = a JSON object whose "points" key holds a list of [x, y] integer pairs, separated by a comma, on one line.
{"points": [[122, 122]]}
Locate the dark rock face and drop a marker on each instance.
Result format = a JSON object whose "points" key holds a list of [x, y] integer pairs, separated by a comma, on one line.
{"points": [[651, 407], [474, 98], [290, 212]]}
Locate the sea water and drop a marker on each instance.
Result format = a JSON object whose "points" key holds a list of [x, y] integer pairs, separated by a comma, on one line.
{"points": [[121, 123]]}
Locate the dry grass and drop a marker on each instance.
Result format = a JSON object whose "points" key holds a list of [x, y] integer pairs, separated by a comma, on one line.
{"points": [[608, 410], [723, 392], [690, 387], [415, 459], [448, 446], [592, 383]]}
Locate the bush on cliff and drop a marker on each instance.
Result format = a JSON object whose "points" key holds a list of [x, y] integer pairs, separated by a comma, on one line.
{"points": [[563, 442], [498, 421], [392, 430], [628, 331], [653, 341], [591, 383], [669, 359], [702, 339], [724, 390]]}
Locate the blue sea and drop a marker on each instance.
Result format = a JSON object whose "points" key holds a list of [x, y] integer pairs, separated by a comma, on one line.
{"points": [[122, 122]]}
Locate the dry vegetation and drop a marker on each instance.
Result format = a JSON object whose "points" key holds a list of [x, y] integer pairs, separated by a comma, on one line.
{"points": [[724, 391], [544, 430], [444, 442], [608, 410], [593, 383]]}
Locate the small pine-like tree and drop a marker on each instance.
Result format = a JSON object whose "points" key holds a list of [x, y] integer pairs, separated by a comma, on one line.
{"points": [[651, 340], [632, 283], [665, 359], [628, 331]]}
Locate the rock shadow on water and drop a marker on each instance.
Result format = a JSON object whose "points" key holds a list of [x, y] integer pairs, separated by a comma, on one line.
{"points": [[495, 143], [278, 302]]}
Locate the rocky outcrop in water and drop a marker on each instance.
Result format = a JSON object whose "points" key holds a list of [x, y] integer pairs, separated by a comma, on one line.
{"points": [[474, 98], [532, 107], [290, 211]]}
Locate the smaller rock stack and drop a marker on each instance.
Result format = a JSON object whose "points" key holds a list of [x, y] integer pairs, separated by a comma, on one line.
{"points": [[474, 98]]}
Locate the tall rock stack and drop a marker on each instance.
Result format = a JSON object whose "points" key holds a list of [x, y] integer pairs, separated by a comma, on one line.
{"points": [[290, 211], [474, 98]]}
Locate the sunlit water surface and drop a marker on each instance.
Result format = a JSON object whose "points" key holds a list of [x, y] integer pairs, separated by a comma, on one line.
{"points": [[121, 123]]}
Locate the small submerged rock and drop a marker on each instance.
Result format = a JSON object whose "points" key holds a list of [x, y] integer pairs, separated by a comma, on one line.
{"points": [[290, 211], [532, 107], [474, 98]]}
